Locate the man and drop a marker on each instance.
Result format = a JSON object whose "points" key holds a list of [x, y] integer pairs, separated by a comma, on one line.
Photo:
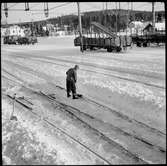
{"points": [[71, 79]]}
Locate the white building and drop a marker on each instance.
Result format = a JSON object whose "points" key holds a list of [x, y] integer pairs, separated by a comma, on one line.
{"points": [[15, 30], [136, 27], [160, 26]]}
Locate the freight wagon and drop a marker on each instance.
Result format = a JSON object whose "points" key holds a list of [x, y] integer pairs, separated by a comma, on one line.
{"points": [[111, 41], [111, 44], [146, 40]]}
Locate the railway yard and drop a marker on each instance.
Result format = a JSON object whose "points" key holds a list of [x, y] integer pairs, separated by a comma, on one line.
{"points": [[121, 118]]}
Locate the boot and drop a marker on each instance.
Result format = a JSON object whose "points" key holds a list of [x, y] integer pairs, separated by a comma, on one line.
{"points": [[68, 95], [75, 97]]}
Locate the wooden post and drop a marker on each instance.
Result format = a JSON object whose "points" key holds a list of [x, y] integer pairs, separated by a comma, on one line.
{"points": [[131, 17], [80, 27], [106, 16], [153, 13], [119, 16], [127, 19], [116, 18]]}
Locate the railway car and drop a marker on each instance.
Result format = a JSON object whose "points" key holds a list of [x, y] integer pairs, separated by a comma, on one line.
{"points": [[146, 40], [111, 41], [111, 44]]}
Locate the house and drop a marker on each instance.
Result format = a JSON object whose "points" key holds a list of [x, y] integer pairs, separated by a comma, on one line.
{"points": [[136, 27], [159, 27], [148, 28], [15, 30]]}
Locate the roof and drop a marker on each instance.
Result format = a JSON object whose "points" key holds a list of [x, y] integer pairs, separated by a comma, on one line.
{"points": [[136, 23], [158, 26], [147, 26], [139, 24]]}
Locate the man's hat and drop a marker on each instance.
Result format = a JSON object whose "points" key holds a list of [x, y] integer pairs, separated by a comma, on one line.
{"points": [[76, 67]]}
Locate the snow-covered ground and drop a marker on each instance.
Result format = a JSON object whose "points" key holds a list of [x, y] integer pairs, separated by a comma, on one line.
{"points": [[131, 82]]}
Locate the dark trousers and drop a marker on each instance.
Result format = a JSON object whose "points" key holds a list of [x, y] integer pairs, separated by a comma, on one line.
{"points": [[70, 86]]}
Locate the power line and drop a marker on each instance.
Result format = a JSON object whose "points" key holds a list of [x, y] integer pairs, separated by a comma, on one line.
{"points": [[59, 6], [23, 10], [34, 5], [51, 8], [93, 5], [38, 9], [12, 5]]}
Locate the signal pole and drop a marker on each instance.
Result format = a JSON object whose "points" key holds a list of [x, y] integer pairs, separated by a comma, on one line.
{"points": [[80, 27]]}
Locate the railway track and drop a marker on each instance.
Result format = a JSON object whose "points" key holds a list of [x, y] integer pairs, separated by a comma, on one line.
{"points": [[125, 117], [72, 109], [37, 58], [127, 153], [61, 130]]}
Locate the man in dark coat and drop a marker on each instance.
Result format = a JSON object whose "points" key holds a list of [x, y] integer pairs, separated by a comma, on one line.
{"points": [[71, 79]]}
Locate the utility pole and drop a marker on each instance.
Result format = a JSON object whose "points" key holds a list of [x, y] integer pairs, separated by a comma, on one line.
{"points": [[127, 19], [131, 14], [80, 27], [116, 17], [106, 15], [153, 13], [119, 16], [103, 15]]}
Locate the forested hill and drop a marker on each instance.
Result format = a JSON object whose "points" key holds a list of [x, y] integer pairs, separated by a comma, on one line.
{"points": [[107, 18]]}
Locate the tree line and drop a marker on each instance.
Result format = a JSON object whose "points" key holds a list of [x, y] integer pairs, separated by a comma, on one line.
{"points": [[107, 18]]}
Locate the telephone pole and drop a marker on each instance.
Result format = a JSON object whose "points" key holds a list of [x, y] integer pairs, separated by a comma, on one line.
{"points": [[116, 28], [119, 15], [127, 20], [106, 15], [153, 13], [80, 27]]}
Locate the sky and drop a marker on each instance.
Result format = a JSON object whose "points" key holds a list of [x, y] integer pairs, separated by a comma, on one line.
{"points": [[58, 9]]}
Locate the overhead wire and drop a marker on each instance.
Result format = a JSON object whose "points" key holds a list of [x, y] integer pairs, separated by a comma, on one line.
{"points": [[60, 5], [51, 8], [88, 4], [34, 5], [12, 5], [40, 9]]}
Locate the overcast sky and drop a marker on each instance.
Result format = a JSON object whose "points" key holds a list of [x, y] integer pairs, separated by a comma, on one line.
{"points": [[37, 9]]}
